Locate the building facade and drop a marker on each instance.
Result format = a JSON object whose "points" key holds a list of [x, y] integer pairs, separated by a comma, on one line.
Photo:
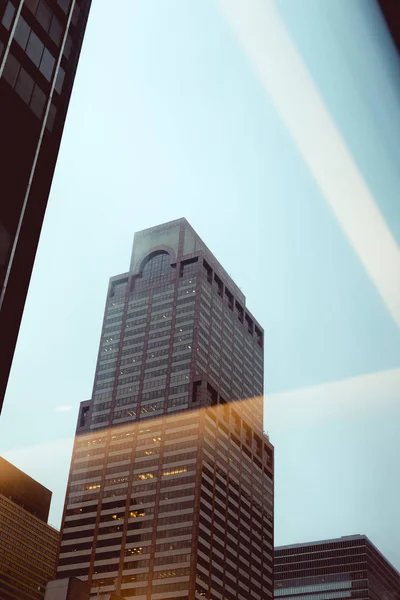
{"points": [[28, 545], [170, 493], [40, 43], [347, 567]]}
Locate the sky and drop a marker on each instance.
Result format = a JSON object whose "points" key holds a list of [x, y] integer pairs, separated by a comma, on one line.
{"points": [[273, 127]]}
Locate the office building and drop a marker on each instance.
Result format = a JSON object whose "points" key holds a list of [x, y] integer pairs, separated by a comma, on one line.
{"points": [[170, 493], [72, 588], [347, 567], [28, 545], [40, 43]]}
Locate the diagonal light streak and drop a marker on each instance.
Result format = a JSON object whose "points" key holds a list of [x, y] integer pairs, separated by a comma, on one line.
{"points": [[288, 83]]}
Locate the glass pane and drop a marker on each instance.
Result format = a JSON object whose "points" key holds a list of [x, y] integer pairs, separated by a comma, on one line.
{"points": [[75, 14], [32, 5], [68, 46], [51, 118], [38, 101], [44, 14], [64, 4], [8, 15], [35, 48], [11, 69], [47, 64], [24, 85], [60, 80], [55, 30], [22, 32]]}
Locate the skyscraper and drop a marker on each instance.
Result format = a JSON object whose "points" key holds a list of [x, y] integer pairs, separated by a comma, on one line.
{"points": [[347, 567], [40, 43], [28, 545], [170, 493]]}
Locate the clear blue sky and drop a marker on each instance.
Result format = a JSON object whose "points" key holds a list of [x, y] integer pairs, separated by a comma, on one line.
{"points": [[168, 118]]}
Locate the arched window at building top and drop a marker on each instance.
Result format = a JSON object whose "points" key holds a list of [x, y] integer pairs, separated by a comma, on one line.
{"points": [[157, 265]]}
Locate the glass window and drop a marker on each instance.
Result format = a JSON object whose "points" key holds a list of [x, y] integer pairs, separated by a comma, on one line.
{"points": [[64, 4], [11, 69], [75, 14], [38, 101], [67, 46], [55, 30], [51, 118], [24, 85], [22, 32], [34, 48], [32, 5], [8, 15], [157, 266], [44, 14], [47, 64]]}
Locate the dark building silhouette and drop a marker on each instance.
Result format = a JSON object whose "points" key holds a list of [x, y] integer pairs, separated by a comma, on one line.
{"points": [[170, 493], [40, 43], [391, 12], [28, 545], [348, 567]]}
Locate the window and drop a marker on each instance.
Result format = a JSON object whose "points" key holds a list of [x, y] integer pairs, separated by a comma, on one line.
{"points": [[208, 271], [220, 287], [156, 265], [22, 32], [51, 118], [47, 64], [64, 5], [55, 30], [34, 49], [229, 298], [24, 86], [259, 336], [44, 15], [67, 46], [38, 101], [60, 80], [188, 266], [75, 14], [32, 5], [8, 15], [11, 69]]}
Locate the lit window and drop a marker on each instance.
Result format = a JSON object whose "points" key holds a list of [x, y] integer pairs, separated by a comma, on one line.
{"points": [[144, 476], [175, 471]]}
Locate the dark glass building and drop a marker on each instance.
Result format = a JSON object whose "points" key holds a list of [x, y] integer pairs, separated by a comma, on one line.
{"points": [[170, 493], [28, 545], [40, 43], [391, 12], [348, 567]]}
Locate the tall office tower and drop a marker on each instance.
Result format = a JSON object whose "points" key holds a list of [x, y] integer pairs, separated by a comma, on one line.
{"points": [[40, 43], [28, 545], [348, 567], [170, 493]]}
